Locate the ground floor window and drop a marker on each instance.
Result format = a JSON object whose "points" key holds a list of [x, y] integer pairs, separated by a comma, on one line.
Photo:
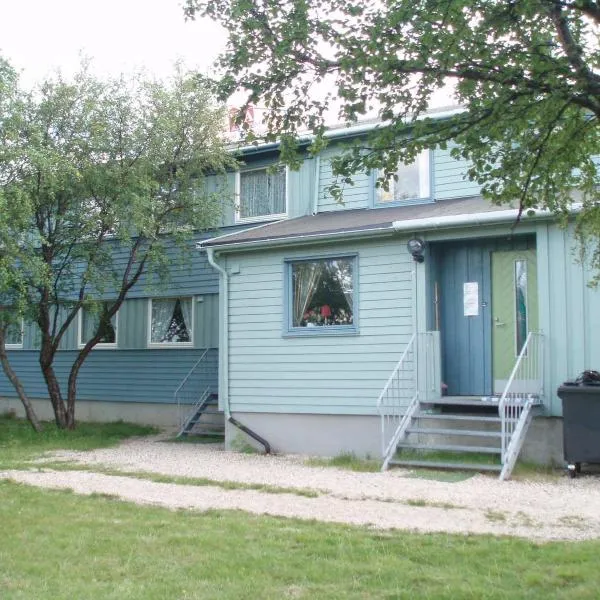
{"points": [[13, 336], [322, 294], [89, 321], [171, 321]]}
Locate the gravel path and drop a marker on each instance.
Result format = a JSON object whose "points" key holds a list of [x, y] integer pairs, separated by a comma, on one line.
{"points": [[539, 509]]}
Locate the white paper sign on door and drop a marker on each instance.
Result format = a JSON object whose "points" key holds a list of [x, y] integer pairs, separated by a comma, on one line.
{"points": [[471, 298]]}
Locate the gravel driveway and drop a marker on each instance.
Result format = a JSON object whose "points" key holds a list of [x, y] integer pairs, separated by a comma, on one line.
{"points": [[538, 509]]}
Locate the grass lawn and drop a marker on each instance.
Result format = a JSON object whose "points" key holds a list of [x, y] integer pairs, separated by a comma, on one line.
{"points": [[55, 545], [20, 443]]}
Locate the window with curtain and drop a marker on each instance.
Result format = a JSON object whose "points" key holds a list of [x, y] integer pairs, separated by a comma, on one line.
{"points": [[322, 294], [13, 338], [262, 193], [410, 182], [89, 322], [171, 321]]}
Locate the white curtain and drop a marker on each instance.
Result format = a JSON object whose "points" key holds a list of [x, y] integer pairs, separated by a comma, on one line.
{"points": [[262, 193], [186, 311], [306, 277], [162, 315]]}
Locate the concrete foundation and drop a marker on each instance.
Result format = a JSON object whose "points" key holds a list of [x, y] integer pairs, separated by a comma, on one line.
{"points": [[330, 435], [143, 413]]}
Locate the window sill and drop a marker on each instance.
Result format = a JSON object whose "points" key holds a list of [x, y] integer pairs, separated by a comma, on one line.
{"points": [[321, 331], [260, 219], [407, 202], [158, 345], [13, 346], [101, 346]]}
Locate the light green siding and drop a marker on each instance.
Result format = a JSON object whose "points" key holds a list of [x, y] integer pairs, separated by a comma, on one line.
{"points": [[328, 374], [450, 176], [569, 310], [358, 195]]}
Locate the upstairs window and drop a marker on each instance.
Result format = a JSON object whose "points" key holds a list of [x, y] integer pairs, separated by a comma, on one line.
{"points": [[261, 193], [89, 321], [412, 183], [171, 321], [322, 294]]}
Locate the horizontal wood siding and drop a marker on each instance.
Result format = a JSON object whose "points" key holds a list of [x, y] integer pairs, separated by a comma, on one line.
{"points": [[450, 176], [122, 375], [569, 310], [269, 372], [358, 195]]}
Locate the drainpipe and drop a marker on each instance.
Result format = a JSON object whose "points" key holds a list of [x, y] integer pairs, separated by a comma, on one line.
{"points": [[317, 182], [224, 354]]}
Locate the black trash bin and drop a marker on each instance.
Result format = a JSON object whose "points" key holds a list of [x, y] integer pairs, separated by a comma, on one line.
{"points": [[581, 420]]}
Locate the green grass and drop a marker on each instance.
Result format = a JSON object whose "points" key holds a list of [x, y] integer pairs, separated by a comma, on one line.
{"points": [[346, 460], [58, 546], [19, 443], [182, 480], [451, 457]]}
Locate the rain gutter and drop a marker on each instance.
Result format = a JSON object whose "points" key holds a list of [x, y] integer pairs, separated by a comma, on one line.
{"points": [[485, 218]]}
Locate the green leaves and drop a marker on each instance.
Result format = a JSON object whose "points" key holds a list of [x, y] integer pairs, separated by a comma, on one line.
{"points": [[527, 74]]}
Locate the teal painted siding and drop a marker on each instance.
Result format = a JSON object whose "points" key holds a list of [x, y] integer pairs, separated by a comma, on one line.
{"points": [[450, 176], [358, 195], [120, 375], [569, 310], [317, 374]]}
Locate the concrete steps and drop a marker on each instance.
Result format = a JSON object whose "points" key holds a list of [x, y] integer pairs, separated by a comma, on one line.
{"points": [[460, 433]]}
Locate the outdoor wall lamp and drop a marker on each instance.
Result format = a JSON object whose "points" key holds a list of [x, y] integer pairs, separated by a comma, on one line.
{"points": [[416, 247]]}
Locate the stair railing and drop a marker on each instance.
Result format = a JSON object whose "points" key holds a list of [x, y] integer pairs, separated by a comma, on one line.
{"points": [[192, 388], [415, 378], [189, 421], [524, 389]]}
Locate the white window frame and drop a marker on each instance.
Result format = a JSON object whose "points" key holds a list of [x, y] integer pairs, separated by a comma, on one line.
{"points": [[151, 344], [424, 162], [238, 198], [106, 345], [17, 346]]}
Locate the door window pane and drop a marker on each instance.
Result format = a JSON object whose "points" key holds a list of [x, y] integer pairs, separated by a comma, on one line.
{"points": [[520, 303]]}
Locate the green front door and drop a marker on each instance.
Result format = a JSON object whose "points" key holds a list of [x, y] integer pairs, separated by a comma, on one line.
{"points": [[514, 309]]}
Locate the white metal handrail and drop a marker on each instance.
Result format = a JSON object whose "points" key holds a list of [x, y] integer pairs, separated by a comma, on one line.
{"points": [[414, 378], [524, 388]]}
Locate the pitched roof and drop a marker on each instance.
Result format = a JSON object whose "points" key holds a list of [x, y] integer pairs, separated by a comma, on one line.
{"points": [[374, 220]]}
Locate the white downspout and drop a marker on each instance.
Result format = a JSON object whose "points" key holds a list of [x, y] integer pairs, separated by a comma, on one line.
{"points": [[224, 354], [223, 334], [317, 184]]}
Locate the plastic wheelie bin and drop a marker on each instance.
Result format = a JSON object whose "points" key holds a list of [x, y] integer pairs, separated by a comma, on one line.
{"points": [[581, 420]]}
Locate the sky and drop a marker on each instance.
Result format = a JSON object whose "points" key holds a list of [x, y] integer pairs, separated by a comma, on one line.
{"points": [[120, 36]]}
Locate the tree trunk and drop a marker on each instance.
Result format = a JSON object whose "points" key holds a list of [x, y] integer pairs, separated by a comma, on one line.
{"points": [[16, 382], [60, 414]]}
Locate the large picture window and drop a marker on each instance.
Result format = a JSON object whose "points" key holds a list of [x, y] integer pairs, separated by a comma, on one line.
{"points": [[322, 294], [261, 193], [411, 182], [89, 320], [171, 321]]}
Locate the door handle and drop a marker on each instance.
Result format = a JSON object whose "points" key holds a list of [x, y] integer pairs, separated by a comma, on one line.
{"points": [[498, 323]]}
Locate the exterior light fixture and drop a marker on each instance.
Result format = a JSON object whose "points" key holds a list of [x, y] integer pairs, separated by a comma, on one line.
{"points": [[416, 247]]}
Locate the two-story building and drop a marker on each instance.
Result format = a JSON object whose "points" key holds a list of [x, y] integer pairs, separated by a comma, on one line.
{"points": [[347, 327]]}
